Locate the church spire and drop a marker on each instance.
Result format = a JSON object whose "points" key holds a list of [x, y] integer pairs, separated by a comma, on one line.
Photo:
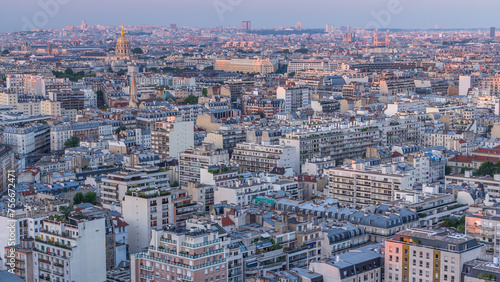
{"points": [[133, 93], [123, 31]]}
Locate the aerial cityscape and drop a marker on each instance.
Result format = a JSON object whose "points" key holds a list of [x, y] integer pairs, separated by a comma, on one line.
{"points": [[359, 151]]}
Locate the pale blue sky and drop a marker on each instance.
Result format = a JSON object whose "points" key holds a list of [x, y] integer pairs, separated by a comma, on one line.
{"points": [[18, 15]]}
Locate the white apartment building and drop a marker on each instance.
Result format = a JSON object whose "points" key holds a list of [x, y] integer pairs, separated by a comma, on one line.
{"points": [[90, 98], [406, 105], [262, 158], [192, 160], [51, 108], [71, 250], [242, 192], [293, 97], [151, 209], [298, 65], [337, 142], [363, 187], [114, 186], [8, 99], [169, 139]]}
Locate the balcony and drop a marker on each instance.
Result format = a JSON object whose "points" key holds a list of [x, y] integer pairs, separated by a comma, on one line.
{"points": [[189, 278], [148, 268], [201, 244], [201, 255], [145, 256], [55, 244], [146, 277], [168, 241]]}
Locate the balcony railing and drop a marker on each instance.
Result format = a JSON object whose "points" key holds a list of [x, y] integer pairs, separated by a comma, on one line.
{"points": [[201, 244], [145, 256], [186, 277], [201, 255], [168, 241], [146, 267]]}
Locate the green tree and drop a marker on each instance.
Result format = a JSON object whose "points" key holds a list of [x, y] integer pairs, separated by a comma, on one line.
{"points": [[5, 52], [90, 197], [69, 71], [447, 170], [78, 198], [66, 211], [137, 51], [73, 141], [121, 72], [205, 92], [190, 100], [120, 129], [451, 221], [302, 51], [174, 184], [261, 114], [464, 169], [292, 74], [488, 169]]}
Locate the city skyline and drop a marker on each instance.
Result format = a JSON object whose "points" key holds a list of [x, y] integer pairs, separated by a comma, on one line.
{"points": [[56, 14]]}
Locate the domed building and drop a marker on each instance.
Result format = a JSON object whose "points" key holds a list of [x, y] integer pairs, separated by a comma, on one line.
{"points": [[123, 50]]}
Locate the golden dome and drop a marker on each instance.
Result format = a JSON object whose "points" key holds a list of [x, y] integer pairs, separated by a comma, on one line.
{"points": [[122, 39]]}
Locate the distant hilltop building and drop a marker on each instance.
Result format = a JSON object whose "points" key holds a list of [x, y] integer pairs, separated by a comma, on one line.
{"points": [[380, 43], [245, 65], [123, 50], [246, 25], [348, 37]]}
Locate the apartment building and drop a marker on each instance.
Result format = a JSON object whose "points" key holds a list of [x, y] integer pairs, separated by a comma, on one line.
{"points": [[9, 98], [417, 254], [406, 105], [22, 257], [294, 97], [242, 192], [226, 138], [60, 133], [27, 139], [254, 105], [261, 65], [395, 85], [51, 108], [71, 250], [181, 254], [8, 165], [360, 187], [69, 99], [202, 194], [191, 160], [171, 138], [362, 264], [318, 166], [114, 186], [298, 65], [262, 158], [483, 227], [403, 130], [337, 143], [145, 210]]}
